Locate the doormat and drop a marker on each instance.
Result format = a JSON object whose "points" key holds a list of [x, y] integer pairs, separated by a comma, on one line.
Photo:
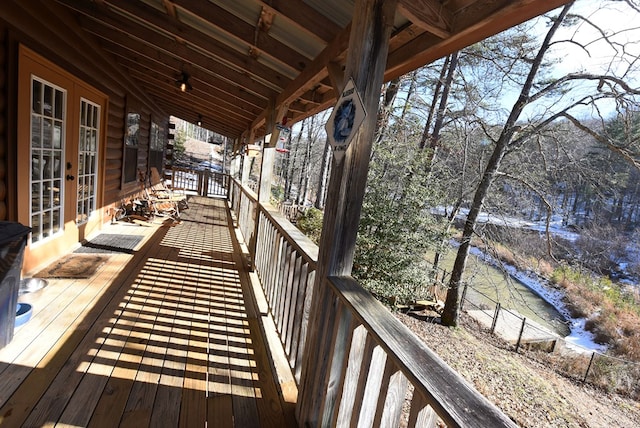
{"points": [[73, 266], [107, 243]]}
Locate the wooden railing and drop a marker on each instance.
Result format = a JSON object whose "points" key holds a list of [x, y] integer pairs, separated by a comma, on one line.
{"points": [[285, 260], [244, 203], [204, 183], [367, 369]]}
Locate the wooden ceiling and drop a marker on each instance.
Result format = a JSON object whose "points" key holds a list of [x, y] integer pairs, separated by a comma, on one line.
{"points": [[245, 58]]}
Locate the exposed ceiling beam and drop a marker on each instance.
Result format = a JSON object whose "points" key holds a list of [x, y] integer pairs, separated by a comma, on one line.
{"points": [[166, 49], [304, 18], [315, 73], [431, 15], [233, 94], [244, 33], [200, 47], [156, 85], [472, 24]]}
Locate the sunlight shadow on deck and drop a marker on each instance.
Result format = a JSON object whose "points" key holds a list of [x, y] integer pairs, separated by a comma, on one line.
{"points": [[172, 346]]}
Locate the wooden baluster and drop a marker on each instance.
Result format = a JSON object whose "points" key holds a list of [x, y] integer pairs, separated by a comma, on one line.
{"points": [[304, 324], [370, 382], [338, 355], [421, 414], [347, 396], [392, 397], [290, 314]]}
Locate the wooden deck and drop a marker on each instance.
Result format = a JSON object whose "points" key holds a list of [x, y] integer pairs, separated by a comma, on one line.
{"points": [[166, 336]]}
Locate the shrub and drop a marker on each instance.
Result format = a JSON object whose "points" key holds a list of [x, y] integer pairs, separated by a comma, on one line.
{"points": [[310, 223]]}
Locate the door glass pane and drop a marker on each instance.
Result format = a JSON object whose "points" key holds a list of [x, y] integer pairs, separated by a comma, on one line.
{"points": [[57, 221], [59, 105], [47, 133], [47, 151], [36, 131], [57, 134], [87, 159], [36, 167], [36, 98]]}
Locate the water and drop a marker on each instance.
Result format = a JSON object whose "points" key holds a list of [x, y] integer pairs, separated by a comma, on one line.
{"points": [[492, 284]]}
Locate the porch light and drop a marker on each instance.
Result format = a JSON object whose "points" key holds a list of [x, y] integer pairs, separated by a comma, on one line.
{"points": [[199, 122], [183, 83]]}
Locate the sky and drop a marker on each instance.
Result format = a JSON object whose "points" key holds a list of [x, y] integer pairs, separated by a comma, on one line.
{"points": [[616, 19], [582, 48]]}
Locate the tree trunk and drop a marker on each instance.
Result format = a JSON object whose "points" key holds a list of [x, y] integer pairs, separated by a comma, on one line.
{"points": [[292, 167], [304, 171], [433, 137], [324, 176], [384, 112], [452, 303]]}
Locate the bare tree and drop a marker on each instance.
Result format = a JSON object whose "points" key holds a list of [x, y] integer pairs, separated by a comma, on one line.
{"points": [[516, 132]]}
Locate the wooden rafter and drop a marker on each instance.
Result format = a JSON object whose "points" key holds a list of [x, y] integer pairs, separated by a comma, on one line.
{"points": [[243, 33], [431, 15], [241, 54], [304, 18]]}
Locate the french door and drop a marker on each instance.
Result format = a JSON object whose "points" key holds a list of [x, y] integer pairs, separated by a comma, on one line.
{"points": [[47, 154], [59, 144], [88, 144]]}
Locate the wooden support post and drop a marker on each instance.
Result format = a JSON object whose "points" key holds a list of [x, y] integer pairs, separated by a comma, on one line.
{"points": [[234, 165], [368, 48], [269, 156], [246, 169], [266, 172], [246, 161]]}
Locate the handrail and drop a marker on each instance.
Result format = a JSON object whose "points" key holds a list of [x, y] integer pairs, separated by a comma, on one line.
{"points": [[439, 387], [372, 359], [244, 204], [204, 183]]}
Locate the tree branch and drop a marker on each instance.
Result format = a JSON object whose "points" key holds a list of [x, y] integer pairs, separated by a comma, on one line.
{"points": [[546, 203], [629, 156]]}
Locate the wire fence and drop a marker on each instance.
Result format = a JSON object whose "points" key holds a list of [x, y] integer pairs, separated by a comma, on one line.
{"points": [[572, 360]]}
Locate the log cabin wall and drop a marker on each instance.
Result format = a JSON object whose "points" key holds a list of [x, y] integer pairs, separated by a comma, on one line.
{"points": [[53, 33], [45, 32], [3, 124]]}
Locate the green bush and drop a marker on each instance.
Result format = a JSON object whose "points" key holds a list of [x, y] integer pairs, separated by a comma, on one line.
{"points": [[397, 229], [310, 223]]}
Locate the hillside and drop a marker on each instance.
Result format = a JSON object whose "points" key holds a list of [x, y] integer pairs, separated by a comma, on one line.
{"points": [[528, 392]]}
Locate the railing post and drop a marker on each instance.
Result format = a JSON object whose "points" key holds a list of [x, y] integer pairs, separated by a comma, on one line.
{"points": [[367, 55], [246, 169], [205, 183]]}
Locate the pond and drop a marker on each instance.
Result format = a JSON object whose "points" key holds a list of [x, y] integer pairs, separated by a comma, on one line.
{"points": [[490, 284]]}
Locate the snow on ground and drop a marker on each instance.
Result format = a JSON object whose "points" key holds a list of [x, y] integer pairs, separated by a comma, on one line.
{"points": [[556, 227], [580, 340]]}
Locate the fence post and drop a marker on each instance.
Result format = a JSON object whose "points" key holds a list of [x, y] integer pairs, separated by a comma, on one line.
{"points": [[495, 318], [464, 295], [593, 356], [524, 322]]}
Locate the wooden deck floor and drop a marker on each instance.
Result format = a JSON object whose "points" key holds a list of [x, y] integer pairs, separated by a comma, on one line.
{"points": [[161, 337]]}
